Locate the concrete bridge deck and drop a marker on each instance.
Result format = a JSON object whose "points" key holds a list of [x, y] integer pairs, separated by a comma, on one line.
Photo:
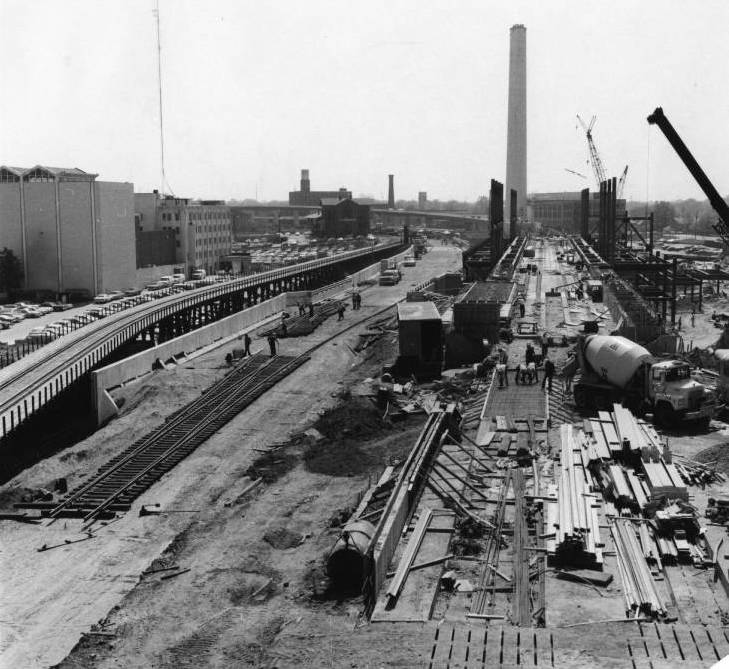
{"points": [[36, 379]]}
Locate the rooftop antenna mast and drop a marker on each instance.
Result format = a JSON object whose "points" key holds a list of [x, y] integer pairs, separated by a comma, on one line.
{"points": [[163, 178]]}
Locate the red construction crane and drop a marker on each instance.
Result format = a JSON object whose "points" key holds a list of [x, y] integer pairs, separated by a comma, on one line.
{"points": [[597, 168]]}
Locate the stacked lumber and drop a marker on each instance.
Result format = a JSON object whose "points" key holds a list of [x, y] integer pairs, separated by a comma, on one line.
{"points": [[664, 480], [577, 539], [605, 435], [624, 488], [596, 440], [639, 589]]}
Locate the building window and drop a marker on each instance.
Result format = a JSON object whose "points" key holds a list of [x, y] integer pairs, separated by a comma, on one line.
{"points": [[177, 215], [39, 174], [6, 177]]}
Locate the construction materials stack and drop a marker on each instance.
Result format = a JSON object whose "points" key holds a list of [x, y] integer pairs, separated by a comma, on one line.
{"points": [[639, 588], [576, 541]]}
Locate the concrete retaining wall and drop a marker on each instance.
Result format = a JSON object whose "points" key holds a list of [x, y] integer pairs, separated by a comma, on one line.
{"points": [[118, 373]]}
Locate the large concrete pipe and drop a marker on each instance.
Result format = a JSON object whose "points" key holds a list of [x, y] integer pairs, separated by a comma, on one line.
{"points": [[345, 565]]}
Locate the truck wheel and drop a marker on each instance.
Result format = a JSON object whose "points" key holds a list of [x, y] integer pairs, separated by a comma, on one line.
{"points": [[664, 415]]}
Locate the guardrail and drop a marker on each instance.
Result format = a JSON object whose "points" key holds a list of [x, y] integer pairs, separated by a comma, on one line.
{"points": [[47, 371]]}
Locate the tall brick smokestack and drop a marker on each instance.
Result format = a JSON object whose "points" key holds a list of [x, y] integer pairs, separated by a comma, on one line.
{"points": [[391, 192], [516, 139], [305, 183]]}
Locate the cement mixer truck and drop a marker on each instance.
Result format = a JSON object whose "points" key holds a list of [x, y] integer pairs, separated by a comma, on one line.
{"points": [[616, 369]]}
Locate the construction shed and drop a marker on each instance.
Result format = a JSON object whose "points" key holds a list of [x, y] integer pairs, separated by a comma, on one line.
{"points": [[420, 336]]}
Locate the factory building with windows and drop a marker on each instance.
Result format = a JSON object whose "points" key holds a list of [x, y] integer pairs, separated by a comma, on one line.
{"points": [[201, 228]]}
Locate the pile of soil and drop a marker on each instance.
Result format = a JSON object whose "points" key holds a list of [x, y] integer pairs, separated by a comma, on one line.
{"points": [[281, 538], [348, 456], [20, 494], [353, 417], [716, 456], [275, 463]]}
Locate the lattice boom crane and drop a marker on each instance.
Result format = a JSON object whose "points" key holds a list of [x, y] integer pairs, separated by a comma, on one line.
{"points": [[595, 160]]}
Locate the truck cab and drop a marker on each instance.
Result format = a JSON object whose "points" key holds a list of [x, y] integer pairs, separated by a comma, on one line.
{"points": [[616, 369], [675, 395]]}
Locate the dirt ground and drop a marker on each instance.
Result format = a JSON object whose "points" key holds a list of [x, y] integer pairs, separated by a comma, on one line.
{"points": [[241, 589], [251, 589]]}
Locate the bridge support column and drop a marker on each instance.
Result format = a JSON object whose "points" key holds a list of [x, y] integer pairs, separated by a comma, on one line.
{"points": [[104, 406]]}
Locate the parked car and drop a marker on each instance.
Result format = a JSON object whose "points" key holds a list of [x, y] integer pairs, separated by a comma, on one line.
{"points": [[409, 261], [102, 298], [96, 312], [116, 295], [45, 309], [36, 333], [62, 306], [132, 292], [82, 319], [31, 312]]}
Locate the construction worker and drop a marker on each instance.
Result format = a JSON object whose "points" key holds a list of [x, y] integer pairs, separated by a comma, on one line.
{"points": [[529, 353], [354, 300], [532, 374], [247, 345], [545, 344], [501, 374], [693, 317], [520, 376], [548, 373], [272, 344], [311, 310], [504, 360], [679, 324], [568, 372], [522, 309], [340, 311]]}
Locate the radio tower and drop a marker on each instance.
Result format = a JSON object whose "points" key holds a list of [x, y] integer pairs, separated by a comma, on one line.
{"points": [[164, 186]]}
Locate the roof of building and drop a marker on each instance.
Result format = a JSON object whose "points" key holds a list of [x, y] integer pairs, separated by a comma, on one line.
{"points": [[417, 311], [55, 171]]}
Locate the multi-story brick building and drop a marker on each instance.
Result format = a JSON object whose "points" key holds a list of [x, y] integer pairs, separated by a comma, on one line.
{"points": [[202, 228], [72, 233]]}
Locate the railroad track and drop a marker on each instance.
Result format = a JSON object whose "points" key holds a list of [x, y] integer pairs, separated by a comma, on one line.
{"points": [[123, 478]]}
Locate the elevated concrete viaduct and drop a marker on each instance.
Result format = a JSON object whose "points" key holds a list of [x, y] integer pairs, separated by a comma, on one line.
{"points": [[34, 381]]}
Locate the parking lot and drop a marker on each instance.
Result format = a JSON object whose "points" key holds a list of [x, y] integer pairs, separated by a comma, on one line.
{"points": [[36, 330]]}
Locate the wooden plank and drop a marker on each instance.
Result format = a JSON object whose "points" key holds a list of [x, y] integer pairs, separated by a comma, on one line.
{"points": [[485, 434], [408, 556]]}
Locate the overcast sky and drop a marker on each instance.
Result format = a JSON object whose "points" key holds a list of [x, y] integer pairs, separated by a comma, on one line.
{"points": [[254, 91]]}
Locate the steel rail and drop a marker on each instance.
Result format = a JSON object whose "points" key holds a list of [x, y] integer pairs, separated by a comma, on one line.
{"points": [[177, 419], [216, 399], [200, 426]]}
